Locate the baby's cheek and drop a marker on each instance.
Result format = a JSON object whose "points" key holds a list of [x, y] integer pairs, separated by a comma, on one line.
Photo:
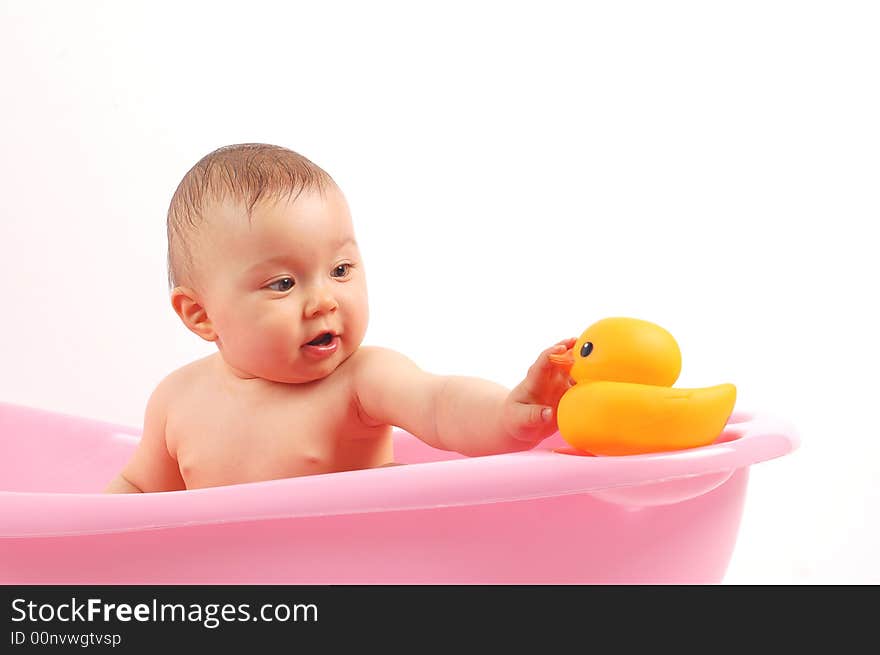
{"points": [[281, 339], [262, 344]]}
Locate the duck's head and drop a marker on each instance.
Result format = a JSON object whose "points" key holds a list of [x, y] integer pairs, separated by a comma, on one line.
{"points": [[624, 350]]}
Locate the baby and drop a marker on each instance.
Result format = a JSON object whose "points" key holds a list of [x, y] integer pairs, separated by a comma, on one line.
{"points": [[263, 262]]}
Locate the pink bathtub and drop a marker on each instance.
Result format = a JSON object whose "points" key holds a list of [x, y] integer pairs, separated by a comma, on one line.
{"points": [[536, 517]]}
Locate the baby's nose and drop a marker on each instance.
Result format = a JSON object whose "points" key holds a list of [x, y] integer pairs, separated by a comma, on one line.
{"points": [[321, 302]]}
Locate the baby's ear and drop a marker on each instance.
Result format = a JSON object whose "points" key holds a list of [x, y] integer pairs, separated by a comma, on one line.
{"points": [[191, 311]]}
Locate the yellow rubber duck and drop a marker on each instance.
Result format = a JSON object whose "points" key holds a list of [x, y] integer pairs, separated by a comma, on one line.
{"points": [[623, 403]]}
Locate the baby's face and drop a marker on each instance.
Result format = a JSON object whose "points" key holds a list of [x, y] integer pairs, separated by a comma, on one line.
{"points": [[286, 294]]}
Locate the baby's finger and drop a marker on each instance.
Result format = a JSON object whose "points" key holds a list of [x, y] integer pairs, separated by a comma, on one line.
{"points": [[550, 357], [559, 354], [562, 346], [542, 375], [530, 416]]}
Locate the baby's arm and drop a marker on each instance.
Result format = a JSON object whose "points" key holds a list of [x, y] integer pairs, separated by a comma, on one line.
{"points": [[469, 415], [151, 467], [119, 485]]}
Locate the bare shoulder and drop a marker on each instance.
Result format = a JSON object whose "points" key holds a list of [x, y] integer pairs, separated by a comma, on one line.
{"points": [[186, 375], [391, 389], [370, 362], [372, 371], [378, 355], [174, 385]]}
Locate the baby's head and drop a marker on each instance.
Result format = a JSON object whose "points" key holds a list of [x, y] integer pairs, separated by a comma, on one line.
{"points": [[262, 261]]}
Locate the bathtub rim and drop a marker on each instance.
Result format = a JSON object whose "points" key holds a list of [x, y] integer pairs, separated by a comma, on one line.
{"points": [[539, 473]]}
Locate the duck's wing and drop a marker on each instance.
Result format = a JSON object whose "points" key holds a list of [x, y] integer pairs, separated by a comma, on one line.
{"points": [[689, 417], [623, 418]]}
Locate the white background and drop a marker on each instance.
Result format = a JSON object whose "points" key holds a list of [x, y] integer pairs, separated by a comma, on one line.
{"points": [[515, 173]]}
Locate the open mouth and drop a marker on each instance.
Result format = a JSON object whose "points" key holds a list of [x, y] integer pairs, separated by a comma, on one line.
{"points": [[321, 340]]}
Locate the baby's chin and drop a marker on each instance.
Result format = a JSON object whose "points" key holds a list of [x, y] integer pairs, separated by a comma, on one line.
{"points": [[302, 377], [293, 374], [302, 368], [302, 374]]}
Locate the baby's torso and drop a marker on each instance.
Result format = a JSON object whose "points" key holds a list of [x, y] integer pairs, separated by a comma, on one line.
{"points": [[229, 434]]}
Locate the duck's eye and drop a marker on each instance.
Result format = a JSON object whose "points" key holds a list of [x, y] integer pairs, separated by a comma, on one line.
{"points": [[586, 349]]}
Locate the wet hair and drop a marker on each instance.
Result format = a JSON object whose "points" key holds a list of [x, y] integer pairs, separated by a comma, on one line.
{"points": [[243, 174]]}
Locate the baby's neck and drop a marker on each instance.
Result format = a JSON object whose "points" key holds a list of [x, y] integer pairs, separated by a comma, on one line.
{"points": [[227, 370], [243, 379]]}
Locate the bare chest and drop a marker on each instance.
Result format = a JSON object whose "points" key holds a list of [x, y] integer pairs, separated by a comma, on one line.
{"points": [[230, 439]]}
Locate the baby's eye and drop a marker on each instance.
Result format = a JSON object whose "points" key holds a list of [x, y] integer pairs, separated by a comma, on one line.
{"points": [[284, 284], [342, 270]]}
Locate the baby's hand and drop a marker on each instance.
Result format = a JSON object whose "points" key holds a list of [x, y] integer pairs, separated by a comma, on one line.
{"points": [[529, 413]]}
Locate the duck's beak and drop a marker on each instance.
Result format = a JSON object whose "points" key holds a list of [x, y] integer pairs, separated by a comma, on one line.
{"points": [[563, 360]]}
